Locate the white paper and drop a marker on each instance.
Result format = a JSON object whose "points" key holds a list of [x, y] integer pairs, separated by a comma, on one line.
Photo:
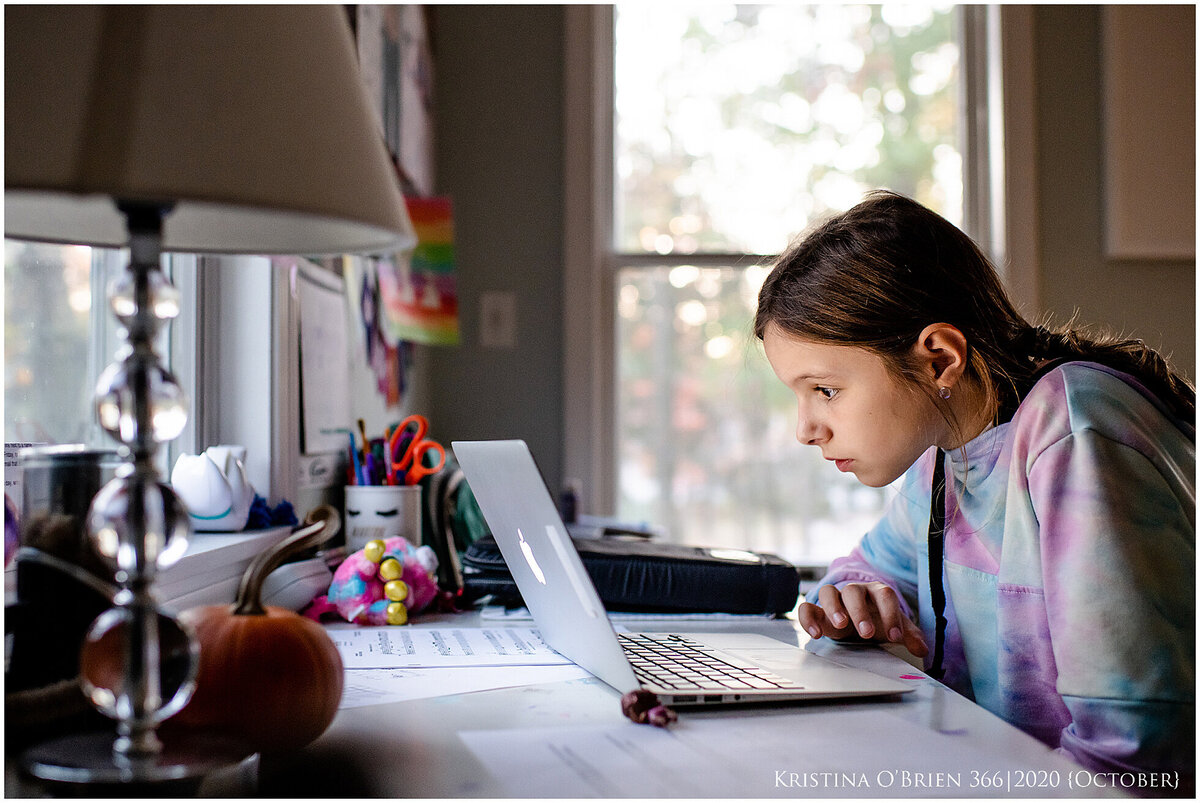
{"points": [[324, 364], [415, 647], [377, 686], [416, 99], [815, 752], [13, 473]]}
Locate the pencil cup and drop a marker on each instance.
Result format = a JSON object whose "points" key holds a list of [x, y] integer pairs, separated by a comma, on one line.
{"points": [[382, 511]]}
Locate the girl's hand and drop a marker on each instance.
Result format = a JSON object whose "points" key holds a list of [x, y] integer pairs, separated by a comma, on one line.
{"points": [[870, 611]]}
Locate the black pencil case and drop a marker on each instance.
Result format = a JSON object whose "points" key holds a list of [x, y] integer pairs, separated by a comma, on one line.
{"points": [[641, 575]]}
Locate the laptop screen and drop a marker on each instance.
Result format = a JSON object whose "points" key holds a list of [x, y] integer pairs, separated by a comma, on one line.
{"points": [[544, 563]]}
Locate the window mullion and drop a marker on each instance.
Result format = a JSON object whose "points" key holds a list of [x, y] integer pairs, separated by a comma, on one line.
{"points": [[627, 259]]}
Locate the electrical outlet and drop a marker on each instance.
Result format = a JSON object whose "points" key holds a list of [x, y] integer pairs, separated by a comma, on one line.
{"points": [[498, 319]]}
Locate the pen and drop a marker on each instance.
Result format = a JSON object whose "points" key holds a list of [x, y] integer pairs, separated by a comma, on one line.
{"points": [[358, 469], [362, 430]]}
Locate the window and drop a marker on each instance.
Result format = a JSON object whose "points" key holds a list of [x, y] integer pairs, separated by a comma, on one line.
{"points": [[734, 128], [49, 368], [59, 335], [237, 322], [738, 125]]}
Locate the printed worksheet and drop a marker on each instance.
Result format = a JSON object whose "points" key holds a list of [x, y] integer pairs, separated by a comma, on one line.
{"points": [[377, 686], [413, 647]]}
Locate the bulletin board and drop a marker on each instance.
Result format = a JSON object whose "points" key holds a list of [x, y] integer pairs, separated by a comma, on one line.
{"points": [[397, 66], [412, 296]]}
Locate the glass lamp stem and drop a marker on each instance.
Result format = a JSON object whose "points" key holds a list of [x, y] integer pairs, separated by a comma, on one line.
{"points": [[137, 739]]}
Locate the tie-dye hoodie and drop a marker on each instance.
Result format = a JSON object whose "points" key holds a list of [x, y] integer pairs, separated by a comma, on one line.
{"points": [[1069, 570]]}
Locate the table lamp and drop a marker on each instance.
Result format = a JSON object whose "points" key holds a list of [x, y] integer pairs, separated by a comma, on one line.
{"points": [[191, 128]]}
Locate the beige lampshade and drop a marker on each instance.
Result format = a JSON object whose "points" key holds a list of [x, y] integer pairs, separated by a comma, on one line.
{"points": [[252, 120]]}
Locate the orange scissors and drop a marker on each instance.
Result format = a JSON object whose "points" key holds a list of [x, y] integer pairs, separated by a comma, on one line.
{"points": [[411, 468]]}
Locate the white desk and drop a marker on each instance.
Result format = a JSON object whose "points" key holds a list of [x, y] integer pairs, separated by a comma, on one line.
{"points": [[569, 739]]}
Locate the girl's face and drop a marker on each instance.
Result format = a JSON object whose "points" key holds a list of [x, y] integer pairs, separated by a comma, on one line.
{"points": [[851, 406]]}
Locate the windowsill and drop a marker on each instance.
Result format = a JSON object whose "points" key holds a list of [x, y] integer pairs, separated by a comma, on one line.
{"points": [[208, 573]]}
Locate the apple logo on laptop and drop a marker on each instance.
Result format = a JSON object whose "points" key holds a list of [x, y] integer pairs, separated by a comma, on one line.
{"points": [[527, 551]]}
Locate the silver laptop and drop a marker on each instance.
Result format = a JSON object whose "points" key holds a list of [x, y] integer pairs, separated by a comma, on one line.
{"points": [[682, 669]]}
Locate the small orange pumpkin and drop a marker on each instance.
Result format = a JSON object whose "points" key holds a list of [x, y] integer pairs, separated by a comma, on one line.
{"points": [[267, 675]]}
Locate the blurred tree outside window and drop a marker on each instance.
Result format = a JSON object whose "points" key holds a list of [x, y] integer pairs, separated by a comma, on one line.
{"points": [[50, 320], [59, 335], [737, 127]]}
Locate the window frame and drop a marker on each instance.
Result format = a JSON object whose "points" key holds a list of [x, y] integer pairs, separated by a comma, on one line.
{"points": [[998, 192]]}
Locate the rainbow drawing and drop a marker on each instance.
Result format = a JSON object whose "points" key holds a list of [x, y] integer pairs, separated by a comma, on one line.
{"points": [[419, 296]]}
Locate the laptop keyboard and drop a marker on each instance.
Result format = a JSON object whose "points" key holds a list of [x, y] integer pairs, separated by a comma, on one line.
{"points": [[673, 662]]}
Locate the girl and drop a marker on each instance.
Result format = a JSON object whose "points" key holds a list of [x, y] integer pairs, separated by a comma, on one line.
{"points": [[1040, 551]]}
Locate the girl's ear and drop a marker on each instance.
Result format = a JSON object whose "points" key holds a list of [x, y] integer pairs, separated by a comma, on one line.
{"points": [[941, 353]]}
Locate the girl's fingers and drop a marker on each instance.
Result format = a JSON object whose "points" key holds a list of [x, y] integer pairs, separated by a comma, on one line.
{"points": [[914, 640], [891, 615], [816, 622], [899, 629], [811, 618], [834, 610], [868, 610], [860, 606]]}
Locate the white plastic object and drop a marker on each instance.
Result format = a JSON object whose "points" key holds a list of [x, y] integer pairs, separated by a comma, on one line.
{"points": [[214, 488]]}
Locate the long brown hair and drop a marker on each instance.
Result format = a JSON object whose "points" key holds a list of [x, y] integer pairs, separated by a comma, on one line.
{"points": [[878, 274]]}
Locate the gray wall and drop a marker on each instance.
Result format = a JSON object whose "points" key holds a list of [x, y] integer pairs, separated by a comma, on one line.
{"points": [[1155, 301], [498, 100], [499, 144]]}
